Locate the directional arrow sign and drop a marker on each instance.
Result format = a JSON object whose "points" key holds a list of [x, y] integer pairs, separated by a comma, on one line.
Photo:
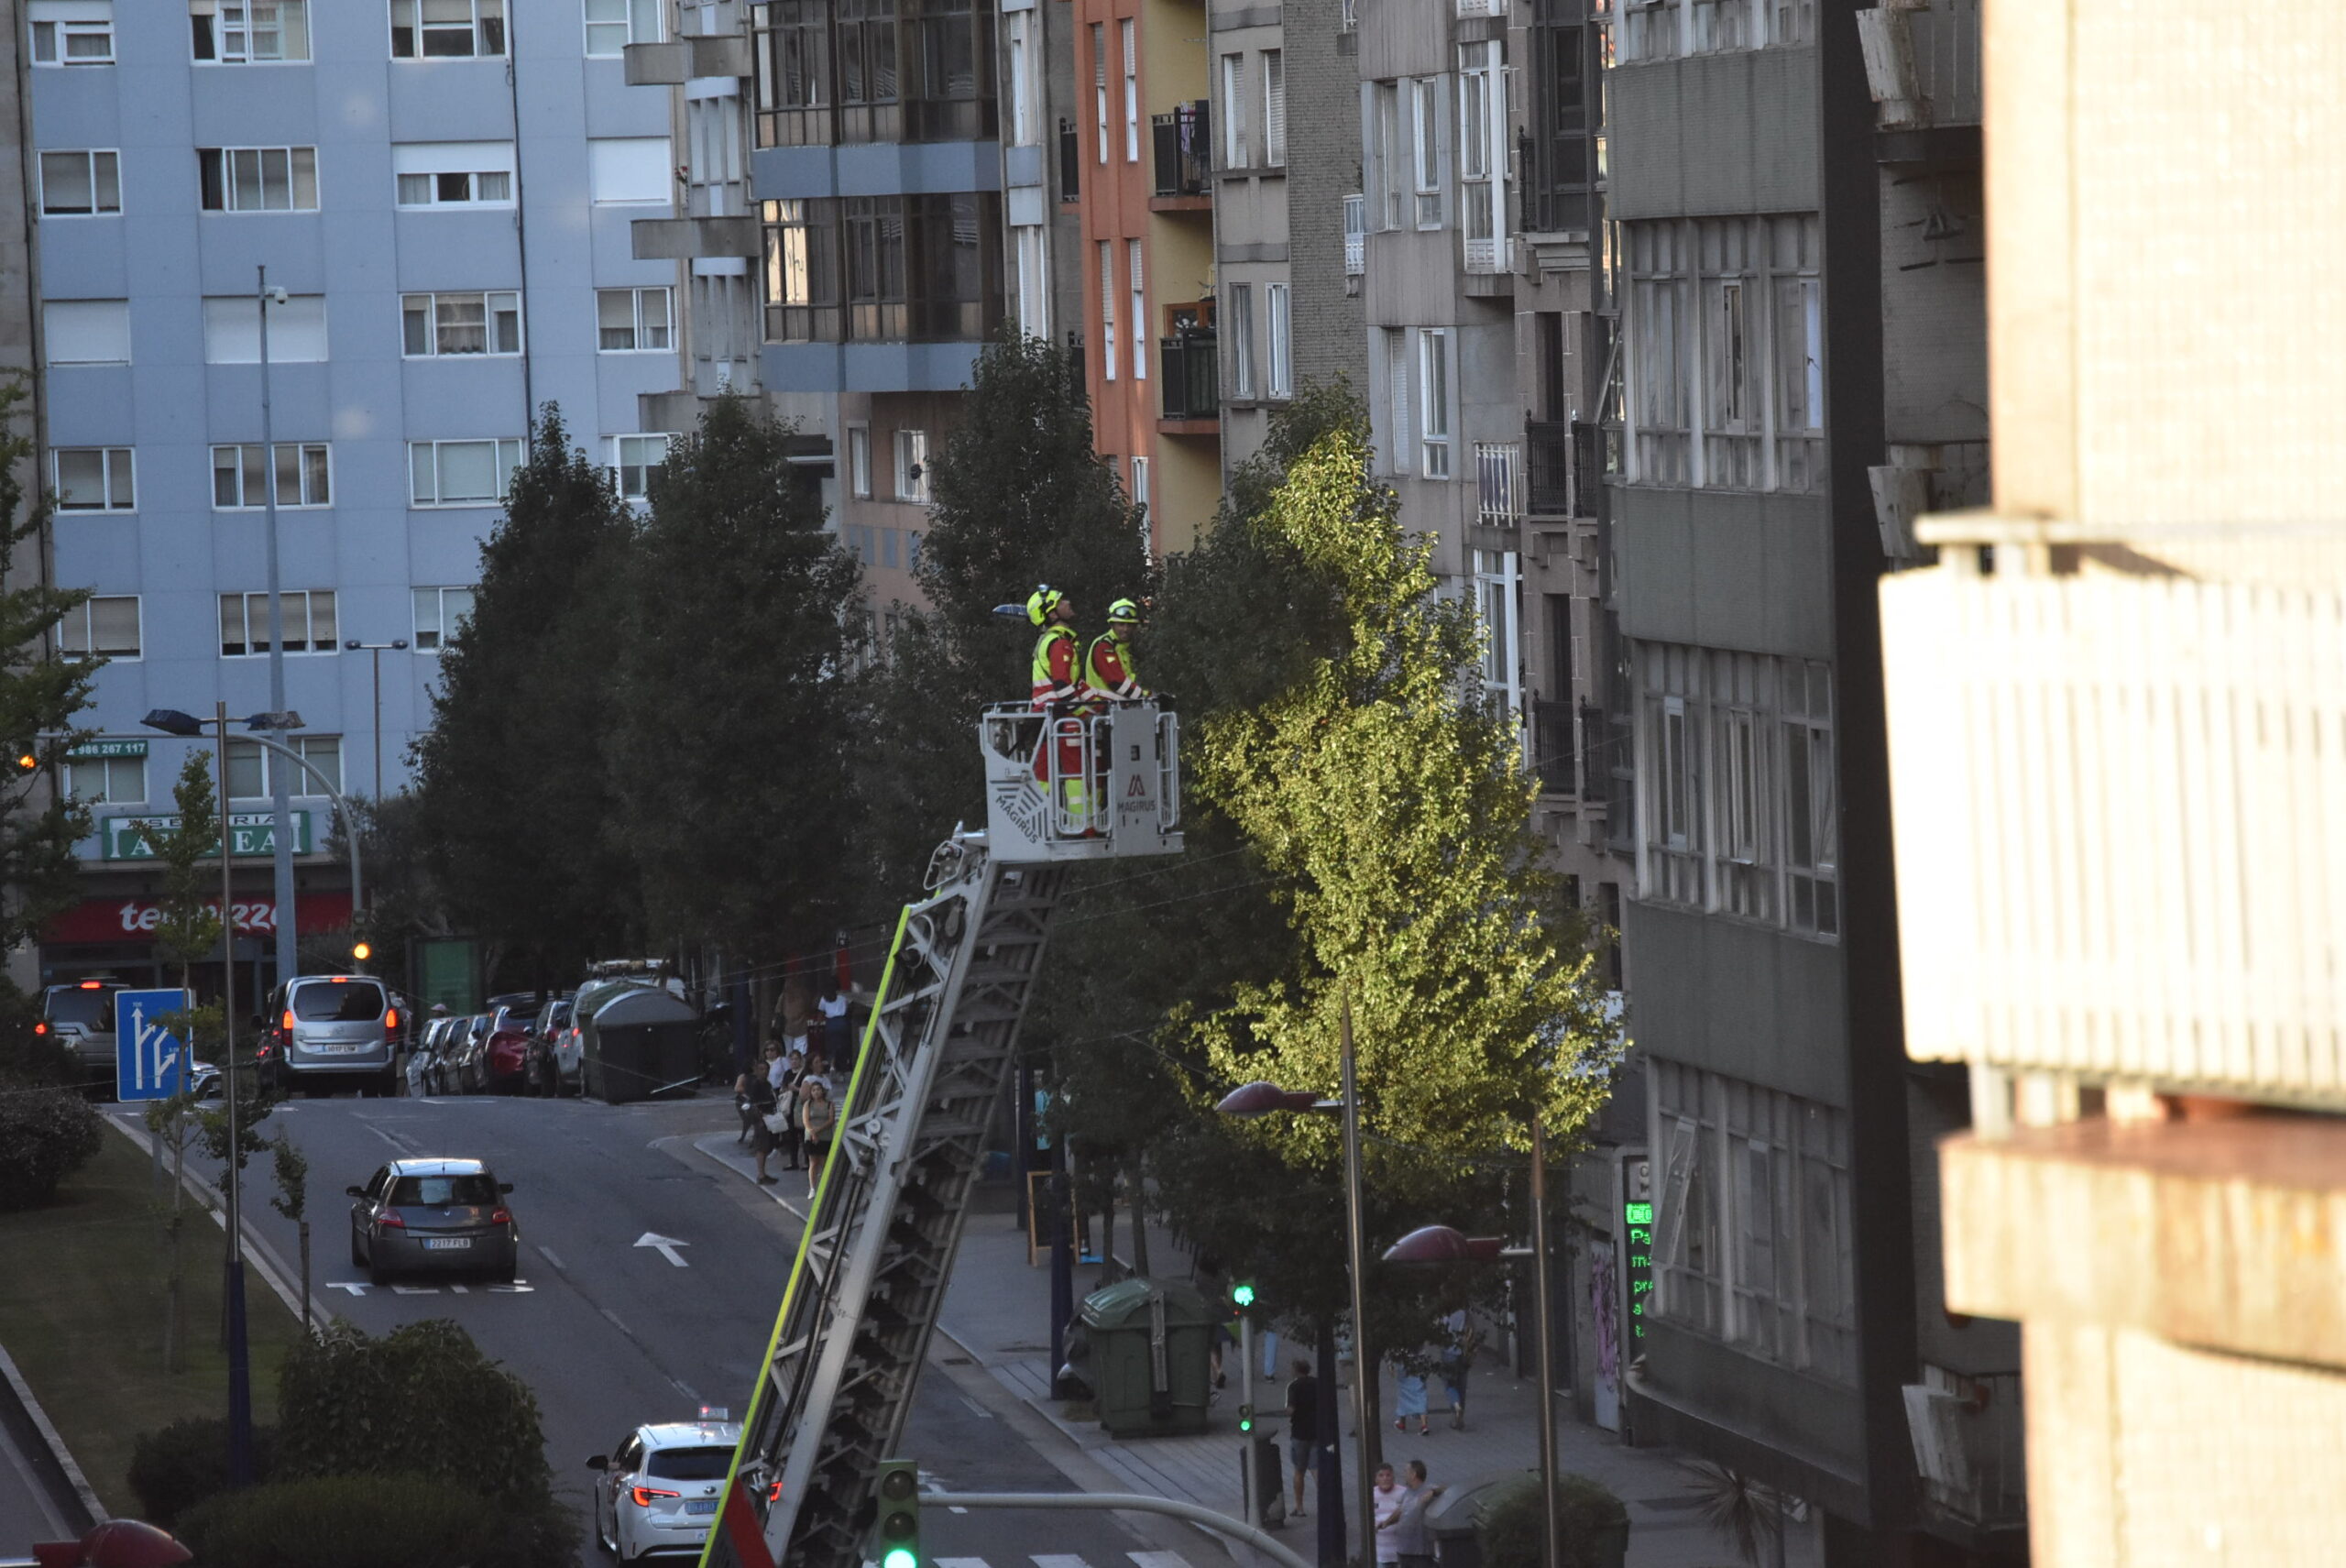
{"points": [[665, 1245]]}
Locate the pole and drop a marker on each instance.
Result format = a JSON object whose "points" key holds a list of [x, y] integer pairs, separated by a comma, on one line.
{"points": [[1246, 1401], [1544, 1324], [1327, 1446], [240, 1373], [1365, 1400], [378, 730], [1062, 1258], [279, 791]]}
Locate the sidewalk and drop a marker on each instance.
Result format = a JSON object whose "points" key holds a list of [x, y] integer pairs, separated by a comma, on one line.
{"points": [[997, 1315]]}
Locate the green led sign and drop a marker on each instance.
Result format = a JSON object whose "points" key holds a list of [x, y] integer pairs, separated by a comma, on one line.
{"points": [[1637, 1224]]}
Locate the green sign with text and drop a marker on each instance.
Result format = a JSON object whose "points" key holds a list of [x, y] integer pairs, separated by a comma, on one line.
{"points": [[249, 833], [90, 751]]}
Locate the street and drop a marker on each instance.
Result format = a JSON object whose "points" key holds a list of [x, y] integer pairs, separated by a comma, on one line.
{"points": [[609, 1334]]}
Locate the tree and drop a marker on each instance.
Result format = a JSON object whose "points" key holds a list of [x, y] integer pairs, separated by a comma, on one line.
{"points": [[514, 795], [734, 721]]}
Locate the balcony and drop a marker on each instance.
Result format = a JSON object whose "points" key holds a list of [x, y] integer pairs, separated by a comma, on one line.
{"points": [[678, 61], [1923, 64], [1555, 750], [1497, 465], [1548, 445], [1190, 376], [685, 240], [1356, 235], [1183, 143]]}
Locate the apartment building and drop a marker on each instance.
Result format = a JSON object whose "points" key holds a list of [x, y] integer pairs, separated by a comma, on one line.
{"points": [[442, 188], [2118, 859]]}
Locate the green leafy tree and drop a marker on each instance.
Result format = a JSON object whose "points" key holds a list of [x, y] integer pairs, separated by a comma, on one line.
{"points": [[735, 718], [187, 928], [514, 796], [292, 1199]]}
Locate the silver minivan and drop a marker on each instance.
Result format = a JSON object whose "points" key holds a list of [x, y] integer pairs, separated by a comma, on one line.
{"points": [[331, 1031]]}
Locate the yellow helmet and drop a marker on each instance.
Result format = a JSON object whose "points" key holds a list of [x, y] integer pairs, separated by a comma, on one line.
{"points": [[1124, 612], [1042, 601]]}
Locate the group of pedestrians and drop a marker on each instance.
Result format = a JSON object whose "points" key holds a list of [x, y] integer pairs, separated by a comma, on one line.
{"points": [[788, 1106]]}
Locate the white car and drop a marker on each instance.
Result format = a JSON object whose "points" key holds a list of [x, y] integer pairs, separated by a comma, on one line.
{"points": [[660, 1490]]}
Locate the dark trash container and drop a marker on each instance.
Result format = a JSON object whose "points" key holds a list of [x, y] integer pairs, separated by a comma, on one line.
{"points": [[641, 1043], [1151, 1356]]}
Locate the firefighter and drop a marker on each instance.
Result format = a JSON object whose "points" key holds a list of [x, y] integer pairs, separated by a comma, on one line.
{"points": [[1058, 678], [1057, 688], [1108, 667]]}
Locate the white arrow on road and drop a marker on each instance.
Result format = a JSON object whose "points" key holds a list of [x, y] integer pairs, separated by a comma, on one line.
{"points": [[665, 1245]]}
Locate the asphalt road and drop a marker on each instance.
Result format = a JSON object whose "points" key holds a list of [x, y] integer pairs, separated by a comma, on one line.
{"points": [[608, 1333]]}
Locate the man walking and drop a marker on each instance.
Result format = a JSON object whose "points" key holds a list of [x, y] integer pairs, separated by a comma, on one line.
{"points": [[1302, 1425]]}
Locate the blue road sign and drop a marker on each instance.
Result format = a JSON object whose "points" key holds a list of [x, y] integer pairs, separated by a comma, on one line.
{"points": [[146, 1061]]}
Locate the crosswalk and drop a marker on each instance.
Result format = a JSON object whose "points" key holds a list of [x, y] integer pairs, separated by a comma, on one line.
{"points": [[1068, 1560]]}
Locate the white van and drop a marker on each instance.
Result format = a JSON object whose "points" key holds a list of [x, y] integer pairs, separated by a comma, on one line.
{"points": [[332, 1031]]}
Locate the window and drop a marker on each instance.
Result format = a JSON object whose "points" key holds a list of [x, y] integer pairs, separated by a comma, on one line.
{"points": [[94, 478], [1132, 91], [446, 29], [452, 173], [1482, 156], [79, 184], [1812, 830], [1498, 576], [309, 622], [460, 473], [86, 332], [1241, 311], [1100, 88], [303, 475], [612, 25], [1108, 311], [889, 541], [1397, 371], [636, 460], [245, 32], [1275, 337], [1669, 29], [912, 466], [253, 769], [106, 780], [916, 267], [631, 170], [1034, 280], [632, 321], [1426, 98], [440, 615], [1135, 266], [257, 179], [1274, 109], [297, 330], [71, 32], [1751, 1223], [433, 324], [1233, 111], [1392, 164], [101, 628], [1025, 122], [1433, 400], [859, 461]]}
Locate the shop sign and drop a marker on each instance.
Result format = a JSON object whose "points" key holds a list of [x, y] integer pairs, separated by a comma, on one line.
{"points": [[136, 919], [250, 833], [90, 750]]}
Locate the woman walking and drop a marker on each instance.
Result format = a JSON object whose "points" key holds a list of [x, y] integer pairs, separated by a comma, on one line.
{"points": [[756, 1091], [818, 1117]]}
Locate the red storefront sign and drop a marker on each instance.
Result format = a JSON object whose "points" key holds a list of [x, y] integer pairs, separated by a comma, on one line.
{"points": [[135, 919]]}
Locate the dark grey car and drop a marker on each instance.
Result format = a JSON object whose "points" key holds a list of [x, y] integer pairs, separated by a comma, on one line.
{"points": [[434, 1216]]}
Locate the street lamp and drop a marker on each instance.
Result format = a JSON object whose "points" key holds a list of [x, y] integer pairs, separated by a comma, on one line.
{"points": [[173, 723], [377, 648], [281, 797]]}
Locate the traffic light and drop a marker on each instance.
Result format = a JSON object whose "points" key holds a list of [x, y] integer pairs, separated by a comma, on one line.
{"points": [[362, 952], [1245, 1418], [898, 1530], [1242, 1294]]}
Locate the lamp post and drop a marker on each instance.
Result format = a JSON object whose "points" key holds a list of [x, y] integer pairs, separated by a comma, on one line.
{"points": [[280, 801], [377, 648]]}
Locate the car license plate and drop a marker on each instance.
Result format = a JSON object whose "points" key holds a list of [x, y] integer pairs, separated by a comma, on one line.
{"points": [[446, 1243], [701, 1506]]}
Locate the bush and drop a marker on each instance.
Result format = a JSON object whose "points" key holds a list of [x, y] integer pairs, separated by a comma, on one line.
{"points": [[350, 1521], [1591, 1525], [185, 1463], [46, 1134]]}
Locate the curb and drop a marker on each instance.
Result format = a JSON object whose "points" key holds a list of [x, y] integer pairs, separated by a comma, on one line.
{"points": [[78, 1497], [258, 1253]]}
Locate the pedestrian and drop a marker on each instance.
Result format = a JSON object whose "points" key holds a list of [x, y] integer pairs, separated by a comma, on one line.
{"points": [[833, 1007], [757, 1091], [818, 1117], [1457, 1361], [1302, 1425], [793, 1080], [1413, 1535], [1409, 1398], [1386, 1498]]}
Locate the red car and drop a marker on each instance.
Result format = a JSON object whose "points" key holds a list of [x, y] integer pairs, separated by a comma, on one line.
{"points": [[502, 1063]]}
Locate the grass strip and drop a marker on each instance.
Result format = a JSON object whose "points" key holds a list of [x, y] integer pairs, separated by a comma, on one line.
{"points": [[83, 1284]]}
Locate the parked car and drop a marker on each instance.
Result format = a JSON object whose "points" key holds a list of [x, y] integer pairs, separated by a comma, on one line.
{"points": [[463, 1042], [81, 1017], [501, 1063], [660, 1488], [553, 1048], [426, 1066], [330, 1031], [417, 1216]]}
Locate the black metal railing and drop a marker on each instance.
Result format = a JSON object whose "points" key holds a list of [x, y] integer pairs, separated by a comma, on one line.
{"points": [[1555, 751], [1548, 463], [1192, 376], [1070, 161], [1183, 143]]}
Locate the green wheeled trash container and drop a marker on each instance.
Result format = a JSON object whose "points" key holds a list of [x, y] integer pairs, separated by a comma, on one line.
{"points": [[1151, 1356]]}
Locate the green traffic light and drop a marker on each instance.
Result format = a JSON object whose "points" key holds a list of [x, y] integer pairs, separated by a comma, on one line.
{"points": [[901, 1557], [1245, 1418], [1244, 1295]]}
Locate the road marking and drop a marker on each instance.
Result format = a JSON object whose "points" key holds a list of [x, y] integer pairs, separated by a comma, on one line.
{"points": [[665, 1245], [963, 1561], [519, 1287], [547, 1253], [1158, 1559], [1056, 1560], [614, 1318]]}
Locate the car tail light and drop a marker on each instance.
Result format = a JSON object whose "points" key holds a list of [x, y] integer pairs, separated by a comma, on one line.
{"points": [[260, 1053], [502, 1217], [643, 1495], [391, 1017], [93, 985], [287, 1025], [391, 1218], [40, 1028]]}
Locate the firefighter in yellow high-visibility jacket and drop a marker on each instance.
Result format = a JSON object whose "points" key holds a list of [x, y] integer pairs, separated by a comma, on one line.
{"points": [[1058, 694], [1108, 667]]}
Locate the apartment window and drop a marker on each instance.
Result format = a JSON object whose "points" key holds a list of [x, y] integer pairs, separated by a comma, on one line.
{"points": [[1274, 108], [1275, 337], [1482, 156], [1397, 371], [636, 462], [1025, 122], [71, 32], [1241, 311], [309, 622], [859, 461], [1751, 1238], [86, 332], [434, 325], [79, 184], [241, 475], [257, 179], [1811, 826], [1233, 111], [297, 330], [1099, 89], [101, 628], [1132, 90], [460, 473], [1107, 254], [922, 268], [1133, 265], [624, 171], [94, 478], [1669, 29], [632, 320], [253, 769], [1392, 162], [245, 32], [612, 25], [1498, 577], [446, 29], [1433, 402], [1425, 97], [1034, 280], [440, 615], [106, 780], [453, 173], [911, 467]]}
